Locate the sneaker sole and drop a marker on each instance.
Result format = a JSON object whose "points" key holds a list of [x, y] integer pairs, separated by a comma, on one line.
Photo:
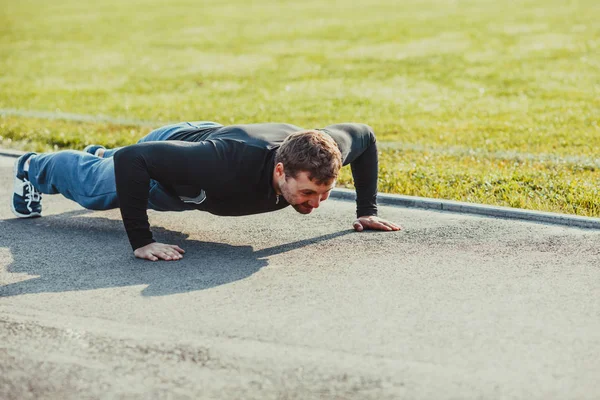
{"points": [[32, 215], [12, 205]]}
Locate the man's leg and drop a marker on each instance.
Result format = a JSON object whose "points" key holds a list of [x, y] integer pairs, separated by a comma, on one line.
{"points": [[162, 133], [79, 176]]}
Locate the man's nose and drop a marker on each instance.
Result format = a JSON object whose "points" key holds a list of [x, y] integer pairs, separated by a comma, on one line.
{"points": [[315, 202]]}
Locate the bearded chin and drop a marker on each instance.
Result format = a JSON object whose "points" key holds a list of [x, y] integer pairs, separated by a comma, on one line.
{"points": [[301, 210]]}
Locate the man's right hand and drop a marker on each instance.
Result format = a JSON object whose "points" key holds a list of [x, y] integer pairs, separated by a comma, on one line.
{"points": [[159, 251]]}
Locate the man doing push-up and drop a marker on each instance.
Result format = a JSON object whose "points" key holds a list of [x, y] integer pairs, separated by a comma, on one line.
{"points": [[225, 170]]}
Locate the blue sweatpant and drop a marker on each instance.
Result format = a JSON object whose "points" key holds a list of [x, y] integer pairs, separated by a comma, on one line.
{"points": [[90, 180]]}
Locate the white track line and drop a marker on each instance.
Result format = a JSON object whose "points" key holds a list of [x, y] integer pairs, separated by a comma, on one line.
{"points": [[474, 208], [461, 151], [78, 117]]}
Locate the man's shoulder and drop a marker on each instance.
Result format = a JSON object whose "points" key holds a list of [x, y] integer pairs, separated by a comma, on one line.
{"points": [[263, 135]]}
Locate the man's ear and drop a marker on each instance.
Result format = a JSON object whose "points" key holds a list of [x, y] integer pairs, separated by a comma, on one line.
{"points": [[279, 170]]}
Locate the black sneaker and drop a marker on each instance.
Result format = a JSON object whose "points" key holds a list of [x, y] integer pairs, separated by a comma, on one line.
{"points": [[26, 202]]}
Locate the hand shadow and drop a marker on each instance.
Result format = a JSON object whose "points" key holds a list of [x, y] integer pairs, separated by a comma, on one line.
{"points": [[69, 253]]}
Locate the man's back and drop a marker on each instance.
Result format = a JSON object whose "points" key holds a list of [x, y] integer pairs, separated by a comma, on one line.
{"points": [[264, 135]]}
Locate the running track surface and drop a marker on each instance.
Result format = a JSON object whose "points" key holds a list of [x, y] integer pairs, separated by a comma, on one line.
{"points": [[285, 306]]}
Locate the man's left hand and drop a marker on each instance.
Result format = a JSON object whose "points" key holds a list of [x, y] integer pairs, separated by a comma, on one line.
{"points": [[375, 223]]}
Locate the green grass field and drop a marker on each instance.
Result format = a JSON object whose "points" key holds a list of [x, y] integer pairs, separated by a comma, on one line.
{"points": [[494, 102]]}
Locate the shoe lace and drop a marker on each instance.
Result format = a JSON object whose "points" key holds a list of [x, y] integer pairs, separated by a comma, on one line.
{"points": [[31, 194]]}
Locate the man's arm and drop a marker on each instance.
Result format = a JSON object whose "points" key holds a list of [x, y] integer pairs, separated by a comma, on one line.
{"points": [[170, 162], [359, 149], [358, 145]]}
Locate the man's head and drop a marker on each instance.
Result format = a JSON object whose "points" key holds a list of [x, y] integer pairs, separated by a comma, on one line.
{"points": [[306, 167]]}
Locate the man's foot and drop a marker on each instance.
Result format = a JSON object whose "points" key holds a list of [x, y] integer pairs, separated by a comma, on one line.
{"points": [[26, 202], [95, 150]]}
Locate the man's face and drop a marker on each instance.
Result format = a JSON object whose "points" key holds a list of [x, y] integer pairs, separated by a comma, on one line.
{"points": [[303, 194]]}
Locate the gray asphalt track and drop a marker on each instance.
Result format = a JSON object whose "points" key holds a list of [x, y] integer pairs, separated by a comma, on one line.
{"points": [[284, 306]]}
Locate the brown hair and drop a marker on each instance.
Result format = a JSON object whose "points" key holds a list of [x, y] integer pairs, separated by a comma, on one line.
{"points": [[311, 151]]}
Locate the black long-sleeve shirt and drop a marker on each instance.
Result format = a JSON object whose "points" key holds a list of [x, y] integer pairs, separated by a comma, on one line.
{"points": [[233, 165]]}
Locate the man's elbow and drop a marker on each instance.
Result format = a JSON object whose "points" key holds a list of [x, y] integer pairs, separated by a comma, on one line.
{"points": [[128, 159], [369, 134]]}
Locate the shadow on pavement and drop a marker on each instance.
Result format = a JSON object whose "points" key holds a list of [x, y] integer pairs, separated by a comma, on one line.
{"points": [[68, 252]]}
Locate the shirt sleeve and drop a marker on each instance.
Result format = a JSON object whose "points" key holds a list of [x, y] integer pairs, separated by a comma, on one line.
{"points": [[358, 146], [170, 163]]}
